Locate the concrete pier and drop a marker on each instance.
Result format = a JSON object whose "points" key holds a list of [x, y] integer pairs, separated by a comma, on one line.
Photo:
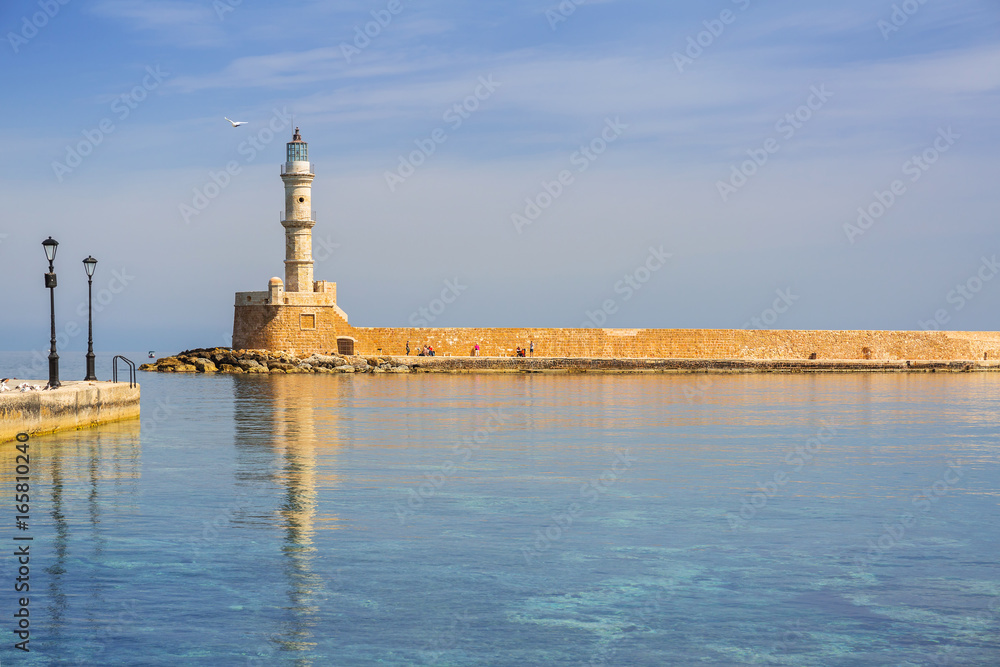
{"points": [[74, 405]]}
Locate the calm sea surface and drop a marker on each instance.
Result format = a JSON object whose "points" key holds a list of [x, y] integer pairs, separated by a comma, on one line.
{"points": [[516, 520]]}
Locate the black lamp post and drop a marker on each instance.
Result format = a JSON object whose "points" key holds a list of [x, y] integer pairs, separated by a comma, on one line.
{"points": [[89, 265], [50, 245]]}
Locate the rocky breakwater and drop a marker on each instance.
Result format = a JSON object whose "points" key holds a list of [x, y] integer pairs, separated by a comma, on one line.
{"points": [[225, 360]]}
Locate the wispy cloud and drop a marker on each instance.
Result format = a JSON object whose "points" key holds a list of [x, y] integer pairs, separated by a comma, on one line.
{"points": [[179, 22]]}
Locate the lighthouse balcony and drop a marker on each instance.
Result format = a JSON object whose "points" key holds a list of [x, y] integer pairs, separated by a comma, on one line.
{"points": [[282, 218]]}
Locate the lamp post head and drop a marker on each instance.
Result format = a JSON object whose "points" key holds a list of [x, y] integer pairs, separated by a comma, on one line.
{"points": [[89, 265], [50, 245]]}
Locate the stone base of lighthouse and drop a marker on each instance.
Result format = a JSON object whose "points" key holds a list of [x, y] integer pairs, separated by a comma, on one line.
{"points": [[292, 321]]}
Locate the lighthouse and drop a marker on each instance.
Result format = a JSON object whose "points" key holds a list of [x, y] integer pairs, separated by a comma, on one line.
{"points": [[299, 312], [298, 219]]}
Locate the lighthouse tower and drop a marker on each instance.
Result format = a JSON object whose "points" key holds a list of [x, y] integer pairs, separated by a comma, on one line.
{"points": [[297, 174], [299, 313]]}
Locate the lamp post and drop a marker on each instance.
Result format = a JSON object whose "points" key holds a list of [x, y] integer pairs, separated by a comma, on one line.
{"points": [[89, 265], [51, 245]]}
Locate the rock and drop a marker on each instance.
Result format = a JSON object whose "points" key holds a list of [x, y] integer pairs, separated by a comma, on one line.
{"points": [[326, 361], [168, 361], [227, 368], [185, 368], [401, 369], [147, 367], [279, 365], [346, 369], [205, 365], [249, 364]]}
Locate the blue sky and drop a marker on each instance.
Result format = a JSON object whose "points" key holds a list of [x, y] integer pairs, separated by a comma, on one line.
{"points": [[745, 157]]}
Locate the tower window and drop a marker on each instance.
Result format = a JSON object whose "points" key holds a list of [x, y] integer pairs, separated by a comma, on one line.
{"points": [[301, 199]]}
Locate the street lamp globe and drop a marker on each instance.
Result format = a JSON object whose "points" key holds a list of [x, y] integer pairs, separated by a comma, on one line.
{"points": [[50, 245], [89, 265]]}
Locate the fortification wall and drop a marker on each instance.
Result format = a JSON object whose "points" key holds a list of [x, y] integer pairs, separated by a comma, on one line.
{"points": [[290, 328], [316, 329], [689, 343]]}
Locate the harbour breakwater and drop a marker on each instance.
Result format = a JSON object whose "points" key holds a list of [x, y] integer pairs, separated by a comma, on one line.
{"points": [[225, 360]]}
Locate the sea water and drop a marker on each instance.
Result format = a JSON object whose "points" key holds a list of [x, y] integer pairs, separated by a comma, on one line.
{"points": [[509, 519]]}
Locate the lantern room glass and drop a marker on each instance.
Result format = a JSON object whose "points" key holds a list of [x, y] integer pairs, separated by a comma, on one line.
{"points": [[298, 151]]}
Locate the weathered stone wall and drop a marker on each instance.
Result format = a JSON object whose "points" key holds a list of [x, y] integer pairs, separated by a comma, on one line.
{"points": [[302, 328], [281, 328], [74, 405]]}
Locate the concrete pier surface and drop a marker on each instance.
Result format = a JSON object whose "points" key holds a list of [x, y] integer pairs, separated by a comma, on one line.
{"points": [[74, 405]]}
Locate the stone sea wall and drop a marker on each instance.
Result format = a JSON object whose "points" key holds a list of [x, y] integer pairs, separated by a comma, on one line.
{"points": [[74, 405], [304, 330]]}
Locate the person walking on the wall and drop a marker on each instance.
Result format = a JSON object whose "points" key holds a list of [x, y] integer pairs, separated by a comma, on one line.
{"points": [[475, 351], [407, 348], [532, 347]]}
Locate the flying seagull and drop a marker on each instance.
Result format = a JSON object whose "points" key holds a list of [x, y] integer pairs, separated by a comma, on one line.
{"points": [[237, 123]]}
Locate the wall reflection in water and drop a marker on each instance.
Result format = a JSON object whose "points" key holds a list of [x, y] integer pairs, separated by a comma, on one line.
{"points": [[77, 478]]}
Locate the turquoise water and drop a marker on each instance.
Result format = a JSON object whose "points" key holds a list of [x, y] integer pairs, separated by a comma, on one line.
{"points": [[518, 520]]}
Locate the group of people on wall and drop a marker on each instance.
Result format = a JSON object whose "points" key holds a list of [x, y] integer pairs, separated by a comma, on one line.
{"points": [[428, 350]]}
